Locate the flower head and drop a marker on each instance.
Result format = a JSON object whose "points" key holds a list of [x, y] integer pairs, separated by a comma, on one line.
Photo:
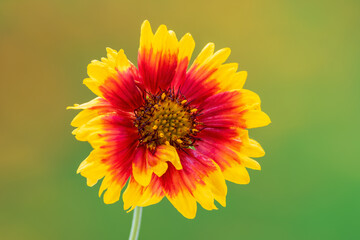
{"points": [[167, 129]]}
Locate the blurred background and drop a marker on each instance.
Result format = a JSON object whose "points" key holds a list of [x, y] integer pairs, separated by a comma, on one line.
{"points": [[302, 58]]}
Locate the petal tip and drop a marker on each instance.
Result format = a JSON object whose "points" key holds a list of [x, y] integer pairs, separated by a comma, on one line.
{"points": [[145, 24]]}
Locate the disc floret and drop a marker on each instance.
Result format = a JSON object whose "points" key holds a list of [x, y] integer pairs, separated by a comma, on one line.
{"points": [[168, 119]]}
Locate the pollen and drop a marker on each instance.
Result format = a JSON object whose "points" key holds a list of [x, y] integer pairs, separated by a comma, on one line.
{"points": [[166, 118]]}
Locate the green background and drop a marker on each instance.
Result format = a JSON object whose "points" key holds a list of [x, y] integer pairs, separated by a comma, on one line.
{"points": [[302, 58]]}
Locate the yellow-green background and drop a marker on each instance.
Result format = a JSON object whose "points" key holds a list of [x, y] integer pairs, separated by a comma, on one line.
{"points": [[302, 58]]}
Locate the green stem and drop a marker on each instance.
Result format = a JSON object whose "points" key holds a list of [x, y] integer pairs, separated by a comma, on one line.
{"points": [[135, 226]]}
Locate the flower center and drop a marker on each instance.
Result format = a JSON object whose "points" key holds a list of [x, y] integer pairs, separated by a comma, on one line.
{"points": [[166, 119]]}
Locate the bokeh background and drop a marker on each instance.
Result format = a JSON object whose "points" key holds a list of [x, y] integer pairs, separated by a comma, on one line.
{"points": [[302, 58]]}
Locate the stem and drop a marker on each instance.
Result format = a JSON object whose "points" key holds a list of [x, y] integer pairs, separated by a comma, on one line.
{"points": [[135, 226]]}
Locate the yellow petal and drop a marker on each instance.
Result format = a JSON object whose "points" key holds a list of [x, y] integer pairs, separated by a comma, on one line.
{"points": [[228, 78], [217, 185], [86, 131], [96, 170], [93, 85], [91, 130], [90, 104], [142, 174], [84, 164], [204, 196], [131, 194], [172, 43], [160, 38], [83, 117], [122, 62], [239, 79], [250, 163], [248, 99], [244, 135], [106, 182], [255, 118], [164, 154], [169, 153], [112, 194], [184, 202], [149, 198], [186, 47], [137, 195], [91, 181], [98, 71], [205, 53], [252, 149], [218, 58], [146, 36], [160, 168], [111, 56], [224, 74], [94, 156], [236, 173]]}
